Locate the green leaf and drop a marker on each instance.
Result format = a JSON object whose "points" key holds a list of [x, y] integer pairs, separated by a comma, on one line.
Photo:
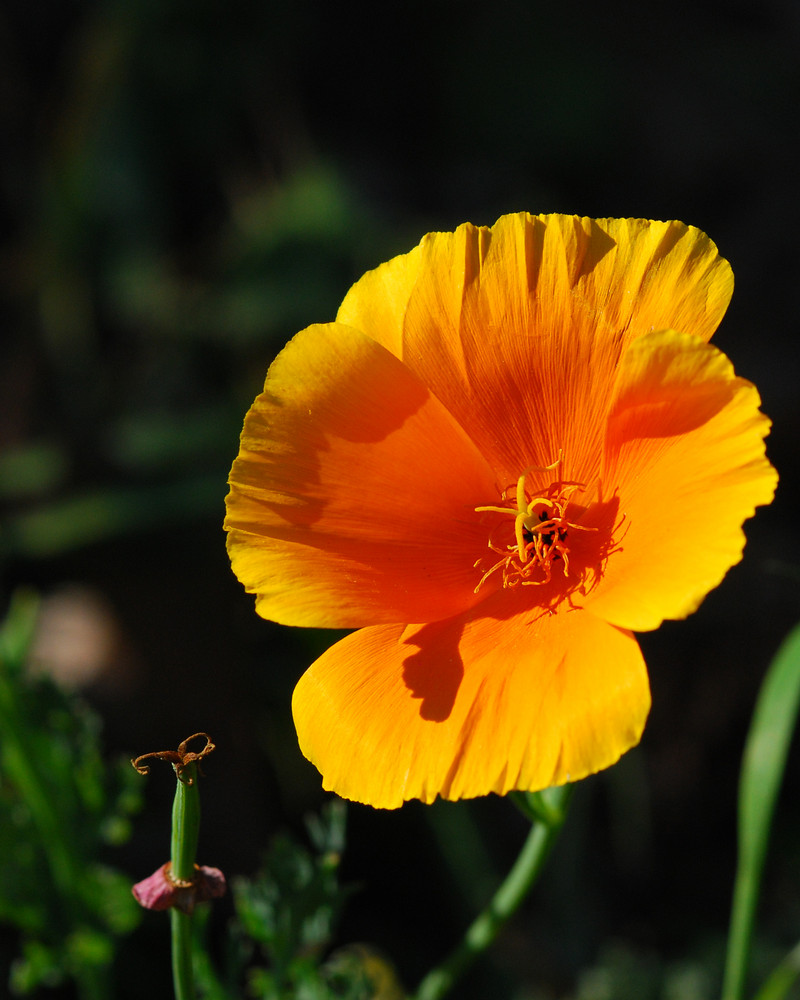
{"points": [[17, 631], [782, 977], [762, 771]]}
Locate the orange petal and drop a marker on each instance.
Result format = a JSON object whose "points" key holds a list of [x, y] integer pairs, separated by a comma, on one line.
{"points": [[352, 498], [472, 705], [518, 328], [685, 455]]}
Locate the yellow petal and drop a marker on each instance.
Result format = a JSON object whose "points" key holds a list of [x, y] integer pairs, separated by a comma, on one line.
{"points": [[352, 498], [685, 456], [473, 705], [517, 328], [376, 304]]}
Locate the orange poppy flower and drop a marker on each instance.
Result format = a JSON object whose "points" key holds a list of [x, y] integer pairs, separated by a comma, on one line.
{"points": [[512, 449]]}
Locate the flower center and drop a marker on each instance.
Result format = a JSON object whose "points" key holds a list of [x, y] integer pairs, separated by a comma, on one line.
{"points": [[543, 526]]}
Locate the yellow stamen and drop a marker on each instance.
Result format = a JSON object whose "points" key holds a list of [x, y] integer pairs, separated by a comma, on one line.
{"points": [[543, 519]]}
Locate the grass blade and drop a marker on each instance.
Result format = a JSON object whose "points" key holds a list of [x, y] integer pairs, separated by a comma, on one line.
{"points": [[762, 771]]}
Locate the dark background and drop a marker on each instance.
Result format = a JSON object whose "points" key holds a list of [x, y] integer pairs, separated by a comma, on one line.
{"points": [[183, 186]]}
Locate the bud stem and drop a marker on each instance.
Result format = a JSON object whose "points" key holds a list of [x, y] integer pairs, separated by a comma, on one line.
{"points": [[185, 829]]}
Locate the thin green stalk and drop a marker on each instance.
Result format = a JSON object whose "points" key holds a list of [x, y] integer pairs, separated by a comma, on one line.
{"points": [[763, 765], [743, 911], [507, 900], [185, 830], [783, 977]]}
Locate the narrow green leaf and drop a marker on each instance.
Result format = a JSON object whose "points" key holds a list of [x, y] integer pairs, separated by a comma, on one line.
{"points": [[782, 977], [17, 631], [762, 771]]}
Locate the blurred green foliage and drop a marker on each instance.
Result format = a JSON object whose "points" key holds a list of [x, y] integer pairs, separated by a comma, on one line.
{"points": [[61, 809], [286, 916], [197, 348], [623, 974], [291, 909], [166, 238]]}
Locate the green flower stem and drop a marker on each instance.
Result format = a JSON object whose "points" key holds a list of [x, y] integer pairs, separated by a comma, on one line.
{"points": [[185, 829], [509, 895]]}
